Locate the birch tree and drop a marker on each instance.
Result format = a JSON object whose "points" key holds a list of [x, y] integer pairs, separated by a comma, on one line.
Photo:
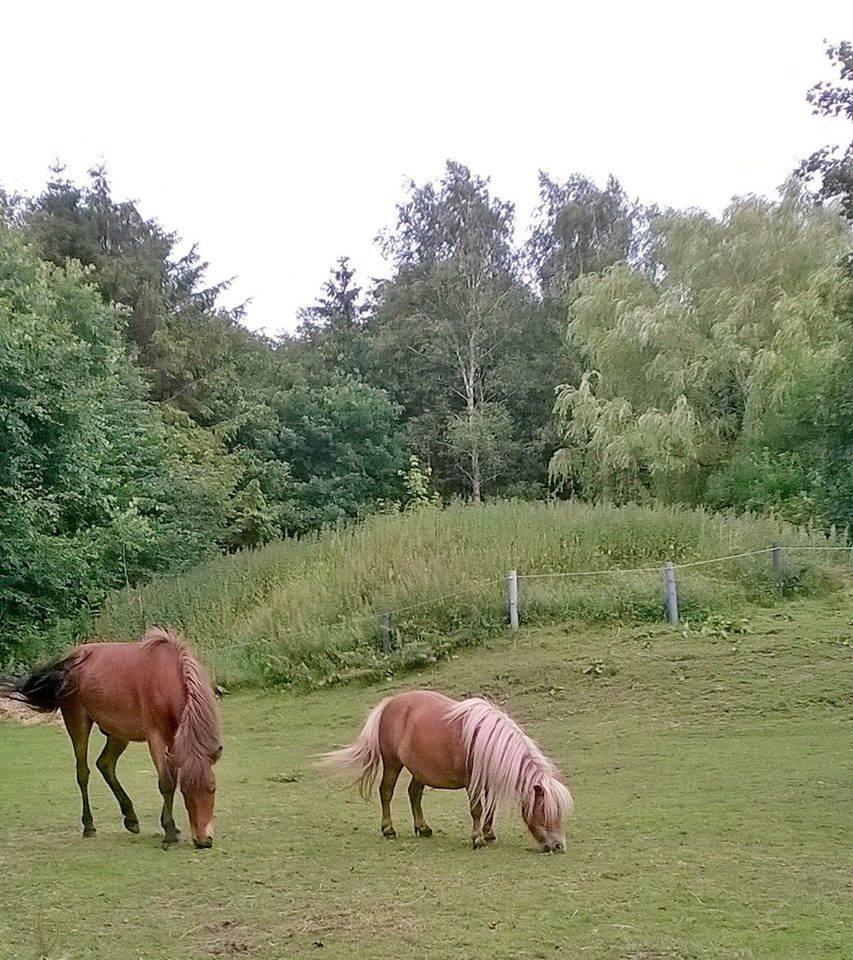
{"points": [[455, 305]]}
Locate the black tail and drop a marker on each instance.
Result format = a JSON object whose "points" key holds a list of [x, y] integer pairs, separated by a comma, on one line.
{"points": [[44, 687]]}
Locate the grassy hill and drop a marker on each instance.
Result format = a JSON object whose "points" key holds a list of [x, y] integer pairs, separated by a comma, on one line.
{"points": [[305, 613], [710, 770]]}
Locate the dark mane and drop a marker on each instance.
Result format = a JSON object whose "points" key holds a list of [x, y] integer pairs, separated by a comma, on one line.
{"points": [[197, 740]]}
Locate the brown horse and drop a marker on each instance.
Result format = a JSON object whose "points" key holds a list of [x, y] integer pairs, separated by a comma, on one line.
{"points": [[450, 744], [153, 690]]}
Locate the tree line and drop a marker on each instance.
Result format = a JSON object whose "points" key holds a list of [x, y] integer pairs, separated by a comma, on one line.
{"points": [[691, 358]]}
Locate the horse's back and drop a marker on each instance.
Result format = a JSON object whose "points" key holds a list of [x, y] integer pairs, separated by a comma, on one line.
{"points": [[131, 689], [414, 729]]}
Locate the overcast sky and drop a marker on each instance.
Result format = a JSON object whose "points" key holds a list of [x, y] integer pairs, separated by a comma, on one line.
{"points": [[280, 136]]}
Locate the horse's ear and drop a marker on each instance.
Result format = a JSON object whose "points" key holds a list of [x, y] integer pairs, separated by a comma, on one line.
{"points": [[216, 755]]}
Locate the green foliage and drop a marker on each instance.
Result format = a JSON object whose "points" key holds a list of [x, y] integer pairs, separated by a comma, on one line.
{"points": [[481, 436], [777, 482], [343, 443], [832, 167], [579, 229], [448, 314], [307, 612], [263, 403], [688, 371], [417, 484], [332, 330], [134, 260], [97, 486], [710, 361]]}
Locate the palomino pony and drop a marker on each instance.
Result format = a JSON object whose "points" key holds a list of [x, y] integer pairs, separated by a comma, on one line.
{"points": [[450, 744], [153, 690]]}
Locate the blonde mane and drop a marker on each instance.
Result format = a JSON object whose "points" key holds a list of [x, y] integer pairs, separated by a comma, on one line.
{"points": [[505, 764], [197, 740]]}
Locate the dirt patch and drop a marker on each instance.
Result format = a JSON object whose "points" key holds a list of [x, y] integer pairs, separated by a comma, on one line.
{"points": [[19, 712], [655, 955], [228, 939], [317, 920]]}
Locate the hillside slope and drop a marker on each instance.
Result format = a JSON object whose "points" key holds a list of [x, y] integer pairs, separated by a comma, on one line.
{"points": [[307, 612]]}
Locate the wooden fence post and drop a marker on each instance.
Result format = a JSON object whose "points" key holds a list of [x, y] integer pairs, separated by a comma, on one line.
{"points": [[387, 632], [512, 597], [671, 592], [778, 555]]}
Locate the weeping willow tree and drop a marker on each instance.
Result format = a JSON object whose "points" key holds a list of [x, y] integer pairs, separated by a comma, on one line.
{"points": [[744, 326]]}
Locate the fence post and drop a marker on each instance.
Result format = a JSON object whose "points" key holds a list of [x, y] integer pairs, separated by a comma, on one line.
{"points": [[671, 592], [387, 632], [778, 555], [512, 596]]}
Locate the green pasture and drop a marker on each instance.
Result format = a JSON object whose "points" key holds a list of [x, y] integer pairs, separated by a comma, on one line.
{"points": [[711, 770]]}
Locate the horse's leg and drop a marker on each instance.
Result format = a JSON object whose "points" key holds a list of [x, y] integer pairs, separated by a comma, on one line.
{"points": [[477, 838], [416, 792], [106, 763], [489, 829], [167, 781], [390, 772], [79, 725]]}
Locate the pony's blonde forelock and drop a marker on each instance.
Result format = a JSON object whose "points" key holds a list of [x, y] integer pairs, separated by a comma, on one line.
{"points": [[505, 764]]}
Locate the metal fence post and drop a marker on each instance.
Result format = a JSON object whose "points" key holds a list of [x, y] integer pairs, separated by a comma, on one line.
{"points": [[671, 592], [512, 597]]}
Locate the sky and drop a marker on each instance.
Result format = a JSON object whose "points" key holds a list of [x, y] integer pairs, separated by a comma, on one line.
{"points": [[280, 136]]}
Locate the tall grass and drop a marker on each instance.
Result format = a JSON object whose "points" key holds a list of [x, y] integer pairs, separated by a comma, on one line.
{"points": [[306, 612]]}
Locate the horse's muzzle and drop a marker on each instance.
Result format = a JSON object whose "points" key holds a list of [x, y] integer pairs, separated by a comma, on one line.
{"points": [[203, 844]]}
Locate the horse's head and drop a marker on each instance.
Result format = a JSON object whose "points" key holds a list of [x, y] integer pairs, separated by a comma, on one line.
{"points": [[199, 790], [543, 815]]}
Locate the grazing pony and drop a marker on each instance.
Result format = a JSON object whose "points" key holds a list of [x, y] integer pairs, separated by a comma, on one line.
{"points": [[153, 690], [450, 744]]}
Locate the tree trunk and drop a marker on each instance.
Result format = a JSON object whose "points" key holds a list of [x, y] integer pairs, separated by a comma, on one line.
{"points": [[471, 404], [475, 475]]}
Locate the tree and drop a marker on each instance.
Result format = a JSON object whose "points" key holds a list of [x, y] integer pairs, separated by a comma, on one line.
{"points": [[135, 260], [580, 228], [98, 487], [689, 370], [196, 357], [833, 166], [452, 309], [333, 328], [343, 442]]}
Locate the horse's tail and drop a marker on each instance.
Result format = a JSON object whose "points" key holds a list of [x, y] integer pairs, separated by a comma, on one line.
{"points": [[198, 742], [45, 687], [363, 755]]}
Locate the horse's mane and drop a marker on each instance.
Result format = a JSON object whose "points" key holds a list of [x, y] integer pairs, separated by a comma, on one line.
{"points": [[197, 740], [505, 764]]}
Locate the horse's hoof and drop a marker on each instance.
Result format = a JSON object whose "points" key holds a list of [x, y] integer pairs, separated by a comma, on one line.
{"points": [[131, 825], [389, 833], [423, 831], [89, 831], [169, 842], [489, 837], [477, 843]]}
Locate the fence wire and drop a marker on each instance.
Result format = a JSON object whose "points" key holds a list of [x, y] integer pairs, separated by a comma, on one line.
{"points": [[474, 584]]}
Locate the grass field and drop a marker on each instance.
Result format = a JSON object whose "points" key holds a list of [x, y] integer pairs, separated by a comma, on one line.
{"points": [[712, 777]]}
